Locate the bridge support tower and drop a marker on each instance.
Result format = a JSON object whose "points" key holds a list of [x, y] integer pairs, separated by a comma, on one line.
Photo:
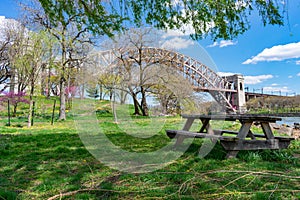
{"points": [[237, 99]]}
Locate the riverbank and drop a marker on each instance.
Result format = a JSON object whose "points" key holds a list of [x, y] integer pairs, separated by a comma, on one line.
{"points": [[290, 130]]}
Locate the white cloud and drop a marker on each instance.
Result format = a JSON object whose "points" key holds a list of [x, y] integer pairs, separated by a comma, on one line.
{"points": [[172, 33], [252, 80], [276, 53], [177, 43], [276, 89], [225, 73], [223, 43], [214, 44], [298, 74], [241, 4], [185, 31], [297, 62], [274, 84], [290, 76]]}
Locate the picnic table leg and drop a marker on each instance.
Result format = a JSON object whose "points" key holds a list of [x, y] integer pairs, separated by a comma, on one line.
{"points": [[267, 130], [188, 124], [179, 140], [186, 127], [251, 135], [231, 154], [209, 130], [243, 132], [205, 125]]}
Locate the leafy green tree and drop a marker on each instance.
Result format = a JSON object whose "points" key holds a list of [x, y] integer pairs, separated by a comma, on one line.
{"points": [[29, 63], [72, 36], [218, 18]]}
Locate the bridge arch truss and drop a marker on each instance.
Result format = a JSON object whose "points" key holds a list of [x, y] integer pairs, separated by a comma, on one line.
{"points": [[199, 75]]}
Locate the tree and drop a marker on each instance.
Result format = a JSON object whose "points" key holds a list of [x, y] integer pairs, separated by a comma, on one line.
{"points": [[141, 72], [4, 63], [30, 63], [134, 65], [13, 36], [49, 65], [171, 90], [14, 100], [71, 35], [220, 19]]}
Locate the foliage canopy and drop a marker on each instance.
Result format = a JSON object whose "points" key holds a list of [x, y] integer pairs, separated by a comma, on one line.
{"points": [[218, 18]]}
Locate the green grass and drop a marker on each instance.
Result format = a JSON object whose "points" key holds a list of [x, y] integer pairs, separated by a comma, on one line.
{"points": [[47, 161]]}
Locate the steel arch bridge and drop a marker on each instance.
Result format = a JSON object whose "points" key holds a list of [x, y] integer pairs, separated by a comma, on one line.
{"points": [[225, 90]]}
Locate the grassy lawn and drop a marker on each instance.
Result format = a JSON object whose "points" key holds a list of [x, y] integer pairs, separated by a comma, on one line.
{"points": [[51, 162]]}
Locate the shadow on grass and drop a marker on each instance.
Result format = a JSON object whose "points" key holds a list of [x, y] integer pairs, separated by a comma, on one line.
{"points": [[43, 165]]}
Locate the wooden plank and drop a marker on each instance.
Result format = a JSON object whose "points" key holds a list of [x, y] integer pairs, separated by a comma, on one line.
{"points": [[180, 140], [178, 133], [233, 117], [188, 124], [255, 144], [235, 133], [282, 138], [251, 135], [205, 125], [255, 134], [267, 130], [244, 130]]}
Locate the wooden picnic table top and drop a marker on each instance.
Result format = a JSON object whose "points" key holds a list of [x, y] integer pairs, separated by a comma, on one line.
{"points": [[244, 139], [233, 117]]}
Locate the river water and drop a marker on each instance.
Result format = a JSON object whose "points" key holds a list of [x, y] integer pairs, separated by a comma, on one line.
{"points": [[289, 120]]}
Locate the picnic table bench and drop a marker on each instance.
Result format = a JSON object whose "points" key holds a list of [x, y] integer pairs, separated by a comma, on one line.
{"points": [[233, 141]]}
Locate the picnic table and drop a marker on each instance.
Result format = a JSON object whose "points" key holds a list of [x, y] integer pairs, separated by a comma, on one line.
{"points": [[233, 141]]}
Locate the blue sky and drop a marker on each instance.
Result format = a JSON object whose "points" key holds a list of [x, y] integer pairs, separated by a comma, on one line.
{"points": [[268, 54], [268, 57]]}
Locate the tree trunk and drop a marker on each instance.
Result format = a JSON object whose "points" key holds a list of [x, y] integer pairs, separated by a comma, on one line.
{"points": [[145, 109], [15, 110], [68, 92], [123, 96], [110, 94], [43, 83], [62, 95], [136, 106], [30, 102], [30, 112], [12, 81], [49, 83], [135, 102], [163, 104], [62, 82]]}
